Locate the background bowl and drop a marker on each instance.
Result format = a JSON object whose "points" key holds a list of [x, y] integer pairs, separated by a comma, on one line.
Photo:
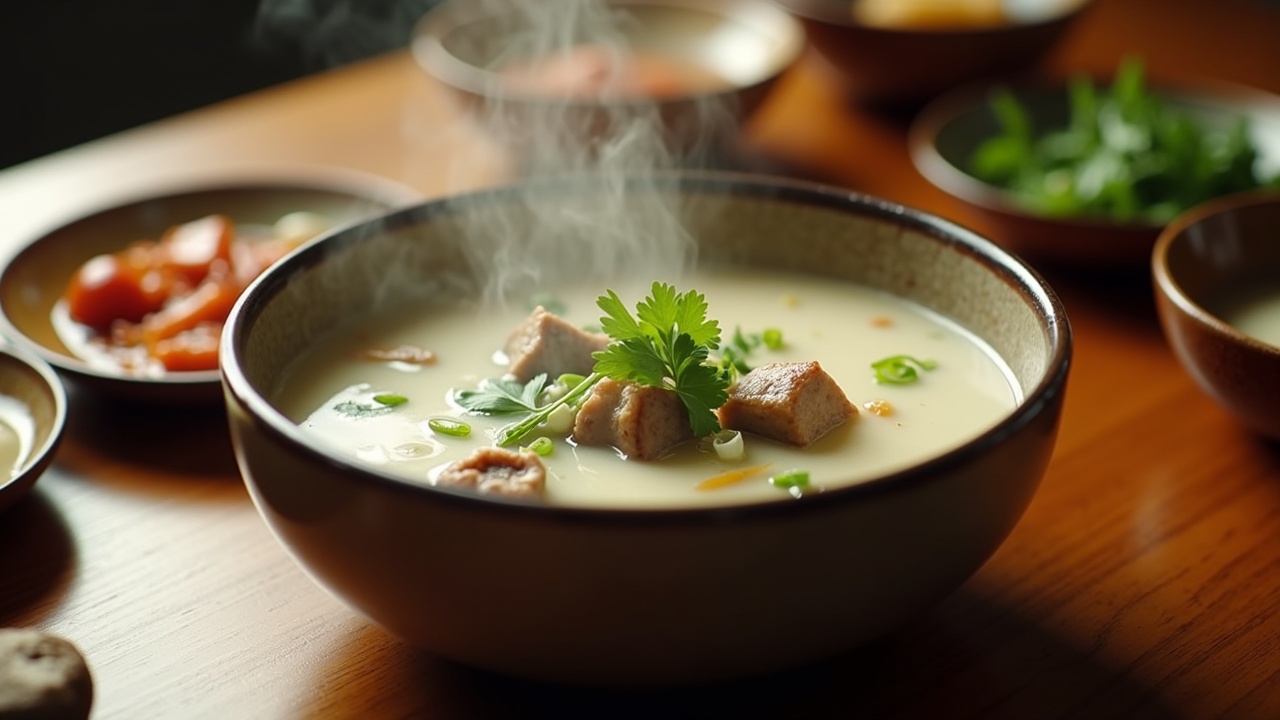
{"points": [[1205, 264], [906, 66], [718, 59], [945, 134], [647, 596], [35, 277], [33, 407]]}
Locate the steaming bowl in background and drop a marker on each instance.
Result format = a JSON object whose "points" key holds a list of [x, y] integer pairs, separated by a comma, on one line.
{"points": [[736, 50], [635, 596]]}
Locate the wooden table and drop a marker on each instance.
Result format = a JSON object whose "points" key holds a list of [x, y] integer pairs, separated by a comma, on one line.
{"points": [[1144, 580]]}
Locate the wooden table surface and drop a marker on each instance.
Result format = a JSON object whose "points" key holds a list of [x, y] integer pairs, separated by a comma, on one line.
{"points": [[1143, 581]]}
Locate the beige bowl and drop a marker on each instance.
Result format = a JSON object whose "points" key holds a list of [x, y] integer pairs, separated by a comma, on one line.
{"points": [[622, 596], [532, 75], [1209, 267], [903, 65]]}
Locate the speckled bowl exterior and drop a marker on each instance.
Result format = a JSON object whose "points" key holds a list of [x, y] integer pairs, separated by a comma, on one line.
{"points": [[1198, 260], [648, 596], [906, 67], [32, 384], [945, 134], [35, 277]]}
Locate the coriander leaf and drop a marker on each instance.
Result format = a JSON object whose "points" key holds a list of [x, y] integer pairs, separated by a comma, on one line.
{"points": [[501, 396]]}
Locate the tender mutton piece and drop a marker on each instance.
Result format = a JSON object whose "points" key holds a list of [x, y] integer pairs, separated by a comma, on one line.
{"points": [[640, 422], [546, 343], [792, 403], [497, 471]]}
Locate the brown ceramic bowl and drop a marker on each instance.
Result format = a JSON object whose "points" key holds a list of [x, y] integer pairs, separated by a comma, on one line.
{"points": [[35, 277], [905, 65], [947, 132], [33, 411], [1214, 268], [631, 595], [531, 74]]}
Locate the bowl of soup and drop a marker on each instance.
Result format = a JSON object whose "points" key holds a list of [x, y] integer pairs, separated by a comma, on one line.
{"points": [[1215, 273], [550, 80], [902, 53], [821, 413]]}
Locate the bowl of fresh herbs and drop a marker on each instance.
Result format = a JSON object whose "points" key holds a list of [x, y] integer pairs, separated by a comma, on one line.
{"points": [[1087, 172]]}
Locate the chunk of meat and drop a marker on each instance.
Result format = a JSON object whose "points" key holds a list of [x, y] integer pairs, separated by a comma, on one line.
{"points": [[641, 422], [546, 343], [793, 403], [497, 471]]}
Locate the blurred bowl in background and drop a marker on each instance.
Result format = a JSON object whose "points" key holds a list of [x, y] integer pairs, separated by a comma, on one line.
{"points": [[33, 412], [551, 80], [947, 133], [36, 276], [902, 53], [1216, 272]]}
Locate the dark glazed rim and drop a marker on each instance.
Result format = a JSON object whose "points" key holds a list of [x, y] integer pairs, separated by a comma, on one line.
{"points": [[1010, 269], [431, 55], [1167, 284]]}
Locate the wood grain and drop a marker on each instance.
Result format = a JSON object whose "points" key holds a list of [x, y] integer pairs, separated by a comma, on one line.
{"points": [[1142, 582]]}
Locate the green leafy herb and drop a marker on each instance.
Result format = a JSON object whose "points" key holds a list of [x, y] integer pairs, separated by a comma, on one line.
{"points": [[381, 403], [733, 356], [497, 396], [900, 369], [1126, 153], [665, 344], [449, 426]]}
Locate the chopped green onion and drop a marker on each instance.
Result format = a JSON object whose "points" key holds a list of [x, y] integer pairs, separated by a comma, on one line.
{"points": [[772, 338], [449, 426], [390, 399], [794, 482], [898, 370], [728, 444], [542, 446]]}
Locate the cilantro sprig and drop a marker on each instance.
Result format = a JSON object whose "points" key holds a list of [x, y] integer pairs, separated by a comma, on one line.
{"points": [[665, 344], [500, 396]]}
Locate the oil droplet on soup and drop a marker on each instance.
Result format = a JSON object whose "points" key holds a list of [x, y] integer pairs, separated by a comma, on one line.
{"points": [[838, 324]]}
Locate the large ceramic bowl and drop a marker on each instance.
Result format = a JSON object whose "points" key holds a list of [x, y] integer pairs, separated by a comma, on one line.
{"points": [[646, 595], [946, 134], [1215, 273], [551, 80], [894, 55]]}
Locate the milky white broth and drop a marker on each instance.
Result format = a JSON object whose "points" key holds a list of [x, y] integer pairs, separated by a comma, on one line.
{"points": [[838, 324]]}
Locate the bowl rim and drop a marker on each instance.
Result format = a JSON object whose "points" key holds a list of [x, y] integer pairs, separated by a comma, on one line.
{"points": [[825, 12], [1166, 283], [432, 57], [1045, 394], [358, 185], [39, 457]]}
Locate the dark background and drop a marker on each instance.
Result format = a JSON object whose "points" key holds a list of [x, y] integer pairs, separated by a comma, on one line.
{"points": [[75, 70]]}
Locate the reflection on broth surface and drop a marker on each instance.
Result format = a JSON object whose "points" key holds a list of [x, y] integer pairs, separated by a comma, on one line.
{"points": [[843, 326]]}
